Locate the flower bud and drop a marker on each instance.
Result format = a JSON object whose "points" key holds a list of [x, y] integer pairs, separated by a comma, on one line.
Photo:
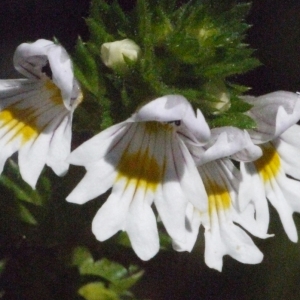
{"points": [[116, 54], [217, 90]]}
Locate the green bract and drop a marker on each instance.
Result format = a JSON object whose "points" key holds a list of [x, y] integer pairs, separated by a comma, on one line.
{"points": [[185, 49]]}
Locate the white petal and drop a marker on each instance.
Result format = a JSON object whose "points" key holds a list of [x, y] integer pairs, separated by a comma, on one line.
{"points": [[32, 158], [171, 205], [60, 147], [96, 181], [273, 113], [222, 236], [190, 180], [112, 215], [99, 145], [288, 147], [192, 224], [13, 90], [29, 59], [164, 109], [252, 191], [141, 227], [277, 198], [33, 155], [231, 240], [168, 196], [228, 141], [175, 108], [249, 219]]}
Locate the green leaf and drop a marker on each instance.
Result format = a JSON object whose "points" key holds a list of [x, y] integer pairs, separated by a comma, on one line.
{"points": [[86, 70], [12, 180], [97, 291], [122, 285], [237, 105], [103, 268], [80, 256], [116, 277], [233, 119], [25, 215]]}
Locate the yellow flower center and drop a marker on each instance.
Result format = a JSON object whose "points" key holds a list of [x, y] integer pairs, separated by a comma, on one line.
{"points": [[156, 127], [140, 170], [268, 165]]}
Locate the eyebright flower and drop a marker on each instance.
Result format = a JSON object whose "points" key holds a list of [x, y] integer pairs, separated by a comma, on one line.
{"points": [[36, 113], [144, 159], [273, 113], [114, 54], [266, 178], [221, 180]]}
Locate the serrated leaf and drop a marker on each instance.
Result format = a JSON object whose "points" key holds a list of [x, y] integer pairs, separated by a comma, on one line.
{"points": [[238, 106], [98, 33], [233, 119], [85, 67]]}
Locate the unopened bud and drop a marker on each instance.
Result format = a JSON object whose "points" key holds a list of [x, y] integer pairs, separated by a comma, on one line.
{"points": [[116, 54]]}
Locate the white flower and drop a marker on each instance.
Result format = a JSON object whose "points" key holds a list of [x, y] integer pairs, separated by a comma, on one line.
{"points": [[221, 180], [273, 113], [36, 113], [227, 141], [144, 159], [266, 178], [114, 54]]}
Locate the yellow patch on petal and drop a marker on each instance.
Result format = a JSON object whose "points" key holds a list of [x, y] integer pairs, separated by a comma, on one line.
{"points": [[154, 127], [218, 197], [268, 165], [55, 97], [20, 122], [140, 169]]}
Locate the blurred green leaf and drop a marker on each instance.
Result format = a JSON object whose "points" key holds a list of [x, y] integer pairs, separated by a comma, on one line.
{"points": [[2, 265], [117, 278], [97, 291], [103, 268], [123, 285], [28, 203], [13, 181], [26, 216]]}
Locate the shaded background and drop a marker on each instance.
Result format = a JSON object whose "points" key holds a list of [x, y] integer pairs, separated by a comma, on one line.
{"points": [[275, 34]]}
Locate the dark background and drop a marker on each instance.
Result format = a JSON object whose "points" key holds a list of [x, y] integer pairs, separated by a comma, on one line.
{"points": [[275, 35]]}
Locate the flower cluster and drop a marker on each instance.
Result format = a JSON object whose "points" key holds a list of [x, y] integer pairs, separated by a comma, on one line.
{"points": [[164, 155]]}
